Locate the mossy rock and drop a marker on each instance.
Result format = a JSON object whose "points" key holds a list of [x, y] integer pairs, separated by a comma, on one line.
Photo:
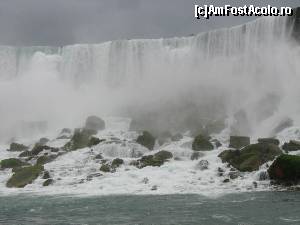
{"points": [[45, 159], [285, 169], [239, 142], [202, 143], [147, 140], [25, 154], [156, 160], [80, 139], [251, 157], [11, 163], [94, 123], [105, 168], [117, 163], [24, 176], [15, 147], [94, 141], [48, 182], [46, 175], [273, 141], [291, 146]]}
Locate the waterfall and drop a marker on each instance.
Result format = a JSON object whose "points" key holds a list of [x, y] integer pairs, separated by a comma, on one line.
{"points": [[249, 71]]}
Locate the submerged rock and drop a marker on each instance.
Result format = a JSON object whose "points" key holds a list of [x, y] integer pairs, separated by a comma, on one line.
{"points": [[269, 141], [251, 157], [202, 143], [94, 123], [291, 146], [285, 170], [15, 147], [238, 142], [11, 163], [48, 182], [147, 140], [24, 176]]}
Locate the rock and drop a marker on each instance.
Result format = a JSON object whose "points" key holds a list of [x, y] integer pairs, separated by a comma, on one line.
{"points": [[233, 175], [255, 184], [15, 147], [117, 163], [46, 175], [11, 163], [251, 157], [99, 156], [291, 146], [196, 155], [43, 141], [80, 139], [177, 137], [25, 154], [45, 159], [202, 143], [263, 175], [94, 141], [39, 148], [226, 181], [217, 143], [48, 182], [94, 123], [105, 168], [285, 170], [154, 160], [202, 165], [91, 176], [239, 142], [154, 188], [147, 140], [24, 176], [269, 141], [65, 133], [220, 172]]}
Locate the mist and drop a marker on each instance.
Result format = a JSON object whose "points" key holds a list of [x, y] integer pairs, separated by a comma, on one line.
{"points": [[243, 79]]}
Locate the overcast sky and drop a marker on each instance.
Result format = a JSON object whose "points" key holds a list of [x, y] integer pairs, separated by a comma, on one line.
{"points": [[61, 22]]}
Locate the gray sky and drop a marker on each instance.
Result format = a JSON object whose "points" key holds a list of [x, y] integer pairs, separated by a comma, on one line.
{"points": [[61, 22]]}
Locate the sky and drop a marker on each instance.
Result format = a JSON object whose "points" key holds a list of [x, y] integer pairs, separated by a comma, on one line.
{"points": [[65, 22]]}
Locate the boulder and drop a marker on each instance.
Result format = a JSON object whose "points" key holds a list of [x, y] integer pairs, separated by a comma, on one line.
{"points": [[147, 140], [80, 139], [24, 176], [154, 160], [202, 143], [94, 123], [251, 157], [202, 165], [285, 170], [291, 146], [117, 163], [15, 147], [11, 163], [238, 142], [105, 168], [94, 141], [269, 141], [48, 182]]}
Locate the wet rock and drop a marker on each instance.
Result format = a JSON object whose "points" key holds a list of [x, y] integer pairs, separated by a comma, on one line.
{"points": [[226, 181], [285, 170], [255, 184], [24, 176], [80, 139], [291, 146], [154, 188], [65, 133], [94, 123], [25, 154], [202, 165], [45, 159], [177, 137], [217, 143], [105, 168], [239, 142], [11, 163], [91, 176], [99, 156], [15, 147], [285, 123], [46, 175], [147, 140], [220, 172], [154, 160], [117, 163], [251, 157], [233, 175], [202, 143], [94, 141], [196, 155], [48, 182], [269, 141]]}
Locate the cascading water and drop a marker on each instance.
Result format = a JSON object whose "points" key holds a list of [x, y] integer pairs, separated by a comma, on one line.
{"points": [[246, 74]]}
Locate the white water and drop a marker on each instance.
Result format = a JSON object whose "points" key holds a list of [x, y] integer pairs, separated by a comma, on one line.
{"points": [[250, 70]]}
